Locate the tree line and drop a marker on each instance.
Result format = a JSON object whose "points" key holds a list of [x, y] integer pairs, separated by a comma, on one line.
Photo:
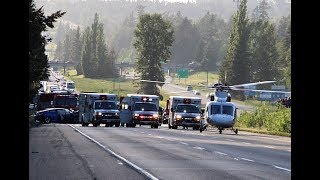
{"points": [[244, 50]]}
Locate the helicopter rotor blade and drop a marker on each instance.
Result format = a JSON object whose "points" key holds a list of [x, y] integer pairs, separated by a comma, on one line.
{"points": [[258, 90], [252, 84], [143, 80]]}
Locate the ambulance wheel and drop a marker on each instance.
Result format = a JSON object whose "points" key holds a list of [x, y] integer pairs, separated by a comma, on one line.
{"points": [[174, 127], [122, 124], [220, 131], [47, 120], [236, 131], [117, 124]]}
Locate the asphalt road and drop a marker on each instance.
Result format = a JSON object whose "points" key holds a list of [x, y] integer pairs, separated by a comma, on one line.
{"points": [[62, 151]]}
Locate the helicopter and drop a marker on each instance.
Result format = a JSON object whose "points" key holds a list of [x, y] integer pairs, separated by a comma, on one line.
{"points": [[220, 112]]}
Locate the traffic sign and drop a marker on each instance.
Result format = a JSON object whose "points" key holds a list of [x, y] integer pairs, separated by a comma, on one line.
{"points": [[183, 73]]}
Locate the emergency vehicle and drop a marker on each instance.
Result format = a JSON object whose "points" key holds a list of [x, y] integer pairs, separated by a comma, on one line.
{"points": [[65, 100], [139, 109], [184, 111], [98, 108]]}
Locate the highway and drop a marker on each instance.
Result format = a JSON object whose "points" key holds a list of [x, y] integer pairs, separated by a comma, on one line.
{"points": [[70, 151]]}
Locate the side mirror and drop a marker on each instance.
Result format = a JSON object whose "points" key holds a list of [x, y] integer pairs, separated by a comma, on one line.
{"points": [[171, 109]]}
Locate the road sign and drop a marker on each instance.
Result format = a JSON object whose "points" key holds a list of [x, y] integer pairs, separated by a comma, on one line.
{"points": [[183, 73]]}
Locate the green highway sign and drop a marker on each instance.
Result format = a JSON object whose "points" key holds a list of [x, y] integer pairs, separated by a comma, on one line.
{"points": [[183, 73]]}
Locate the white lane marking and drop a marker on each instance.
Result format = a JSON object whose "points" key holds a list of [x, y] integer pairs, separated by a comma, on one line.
{"points": [[221, 153], [247, 159], [229, 140], [247, 143], [159, 137], [144, 172], [150, 134], [183, 143], [119, 162], [170, 139], [142, 132], [281, 168], [269, 147], [236, 159], [200, 148]]}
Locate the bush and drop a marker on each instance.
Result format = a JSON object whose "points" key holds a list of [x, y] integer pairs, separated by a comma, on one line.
{"points": [[266, 117]]}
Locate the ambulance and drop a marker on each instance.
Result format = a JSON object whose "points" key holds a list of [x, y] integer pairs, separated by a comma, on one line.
{"points": [[98, 108], [184, 111], [141, 109]]}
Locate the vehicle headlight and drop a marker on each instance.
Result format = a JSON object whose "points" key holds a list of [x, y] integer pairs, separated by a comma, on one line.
{"points": [[178, 116], [99, 113], [116, 114], [198, 118], [155, 115], [136, 115]]}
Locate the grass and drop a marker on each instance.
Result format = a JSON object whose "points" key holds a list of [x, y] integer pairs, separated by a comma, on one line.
{"points": [[197, 79], [119, 86]]}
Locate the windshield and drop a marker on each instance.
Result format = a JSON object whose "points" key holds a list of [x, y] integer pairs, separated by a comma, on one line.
{"points": [[227, 110], [145, 107], [70, 85], [105, 105], [65, 101], [215, 109], [187, 108]]}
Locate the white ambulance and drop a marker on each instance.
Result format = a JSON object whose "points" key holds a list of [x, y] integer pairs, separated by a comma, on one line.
{"points": [[139, 109], [98, 108], [184, 111]]}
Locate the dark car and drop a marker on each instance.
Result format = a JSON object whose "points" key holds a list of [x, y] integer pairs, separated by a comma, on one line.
{"points": [[55, 115]]}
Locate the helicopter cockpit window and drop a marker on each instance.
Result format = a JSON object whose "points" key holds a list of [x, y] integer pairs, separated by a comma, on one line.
{"points": [[215, 109], [227, 110]]}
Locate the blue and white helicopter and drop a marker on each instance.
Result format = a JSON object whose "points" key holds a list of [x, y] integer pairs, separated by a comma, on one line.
{"points": [[220, 112]]}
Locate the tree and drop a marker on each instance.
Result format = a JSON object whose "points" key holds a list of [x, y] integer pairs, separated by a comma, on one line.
{"points": [[185, 42], [76, 46], [86, 53], [235, 66], [38, 60], [153, 38], [58, 54]]}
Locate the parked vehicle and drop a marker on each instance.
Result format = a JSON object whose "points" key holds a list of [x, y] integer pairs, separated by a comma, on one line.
{"points": [[141, 109], [55, 115], [184, 111], [98, 108]]}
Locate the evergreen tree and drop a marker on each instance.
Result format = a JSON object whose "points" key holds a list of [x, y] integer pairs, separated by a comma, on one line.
{"points": [[185, 41], [67, 49], [38, 60], [86, 53], [264, 52], [104, 67], [153, 39], [76, 46], [58, 54], [235, 66]]}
